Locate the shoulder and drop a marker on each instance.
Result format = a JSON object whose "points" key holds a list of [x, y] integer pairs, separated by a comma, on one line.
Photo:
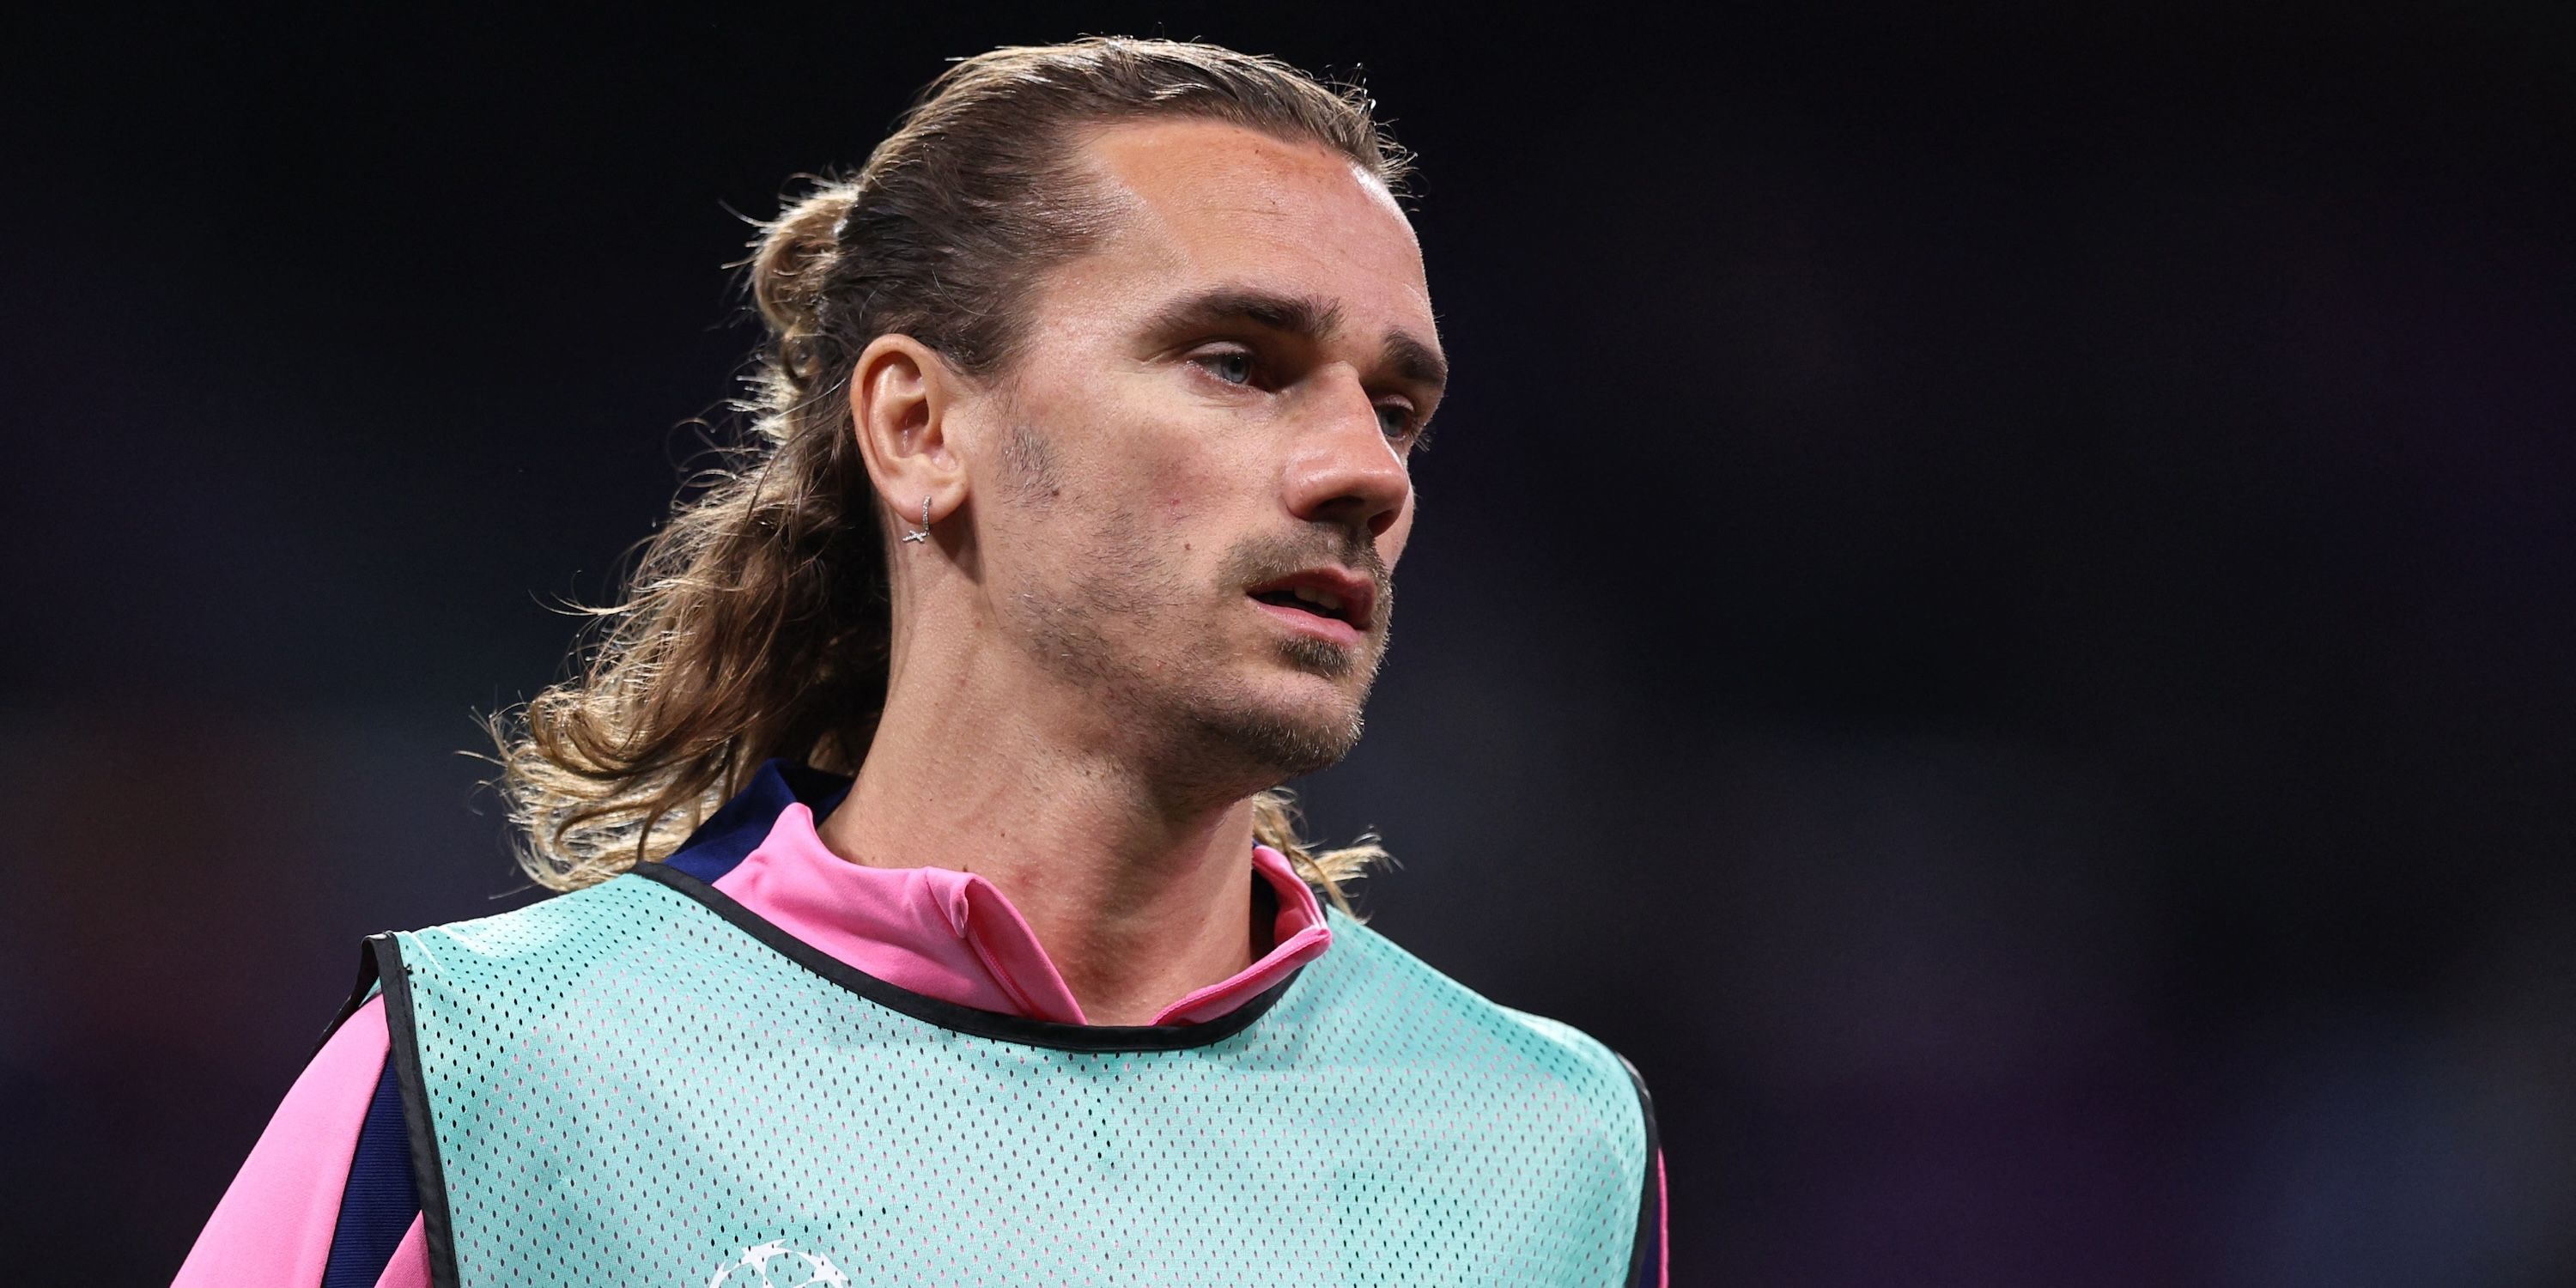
{"points": [[288, 1206], [1449, 1015], [564, 950], [588, 917], [1547, 1077]]}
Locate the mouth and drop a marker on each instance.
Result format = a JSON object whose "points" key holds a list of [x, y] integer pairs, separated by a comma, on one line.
{"points": [[1327, 600]]}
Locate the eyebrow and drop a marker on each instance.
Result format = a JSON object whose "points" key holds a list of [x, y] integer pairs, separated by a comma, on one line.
{"points": [[1415, 360], [1312, 317]]}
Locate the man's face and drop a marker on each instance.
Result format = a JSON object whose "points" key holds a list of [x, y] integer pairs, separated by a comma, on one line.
{"points": [[1199, 486]]}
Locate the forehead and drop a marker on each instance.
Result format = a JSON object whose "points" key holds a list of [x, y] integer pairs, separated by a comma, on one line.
{"points": [[1205, 201]]}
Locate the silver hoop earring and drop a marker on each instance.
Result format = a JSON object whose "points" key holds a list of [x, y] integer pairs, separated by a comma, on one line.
{"points": [[924, 534]]}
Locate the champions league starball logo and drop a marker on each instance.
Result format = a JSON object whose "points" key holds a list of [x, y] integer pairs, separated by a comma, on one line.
{"points": [[775, 1265]]}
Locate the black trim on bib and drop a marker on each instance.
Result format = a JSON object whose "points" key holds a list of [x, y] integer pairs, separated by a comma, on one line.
{"points": [[1646, 1271], [358, 995], [429, 1177], [1096, 1038]]}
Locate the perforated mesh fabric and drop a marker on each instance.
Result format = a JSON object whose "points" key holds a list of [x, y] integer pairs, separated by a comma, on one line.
{"points": [[628, 1088]]}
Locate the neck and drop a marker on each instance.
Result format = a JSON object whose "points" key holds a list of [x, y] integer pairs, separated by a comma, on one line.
{"points": [[1138, 899]]}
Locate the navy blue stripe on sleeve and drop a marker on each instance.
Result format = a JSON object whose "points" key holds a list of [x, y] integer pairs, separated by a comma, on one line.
{"points": [[379, 1205]]}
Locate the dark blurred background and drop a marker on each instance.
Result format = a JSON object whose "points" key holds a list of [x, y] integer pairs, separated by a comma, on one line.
{"points": [[1992, 607]]}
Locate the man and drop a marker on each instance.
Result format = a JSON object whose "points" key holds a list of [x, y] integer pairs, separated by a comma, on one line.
{"points": [[905, 809]]}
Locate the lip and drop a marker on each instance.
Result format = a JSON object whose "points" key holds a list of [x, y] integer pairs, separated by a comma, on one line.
{"points": [[1357, 593], [1314, 624]]}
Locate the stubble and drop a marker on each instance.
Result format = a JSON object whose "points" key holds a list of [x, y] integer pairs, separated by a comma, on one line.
{"points": [[1128, 626]]}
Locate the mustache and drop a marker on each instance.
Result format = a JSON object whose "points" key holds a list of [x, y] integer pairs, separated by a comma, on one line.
{"points": [[1268, 558]]}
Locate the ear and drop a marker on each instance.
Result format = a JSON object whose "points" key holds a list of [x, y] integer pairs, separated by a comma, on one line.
{"points": [[901, 393]]}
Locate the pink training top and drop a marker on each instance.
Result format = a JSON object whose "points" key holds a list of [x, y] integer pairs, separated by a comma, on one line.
{"points": [[945, 934]]}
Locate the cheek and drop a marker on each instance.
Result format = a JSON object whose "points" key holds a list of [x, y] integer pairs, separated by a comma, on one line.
{"points": [[1183, 494], [1146, 527]]}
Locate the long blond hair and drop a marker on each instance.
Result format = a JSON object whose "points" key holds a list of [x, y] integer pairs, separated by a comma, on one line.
{"points": [[755, 622]]}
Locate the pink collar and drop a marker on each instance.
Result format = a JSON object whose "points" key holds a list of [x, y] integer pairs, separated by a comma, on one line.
{"points": [[953, 936]]}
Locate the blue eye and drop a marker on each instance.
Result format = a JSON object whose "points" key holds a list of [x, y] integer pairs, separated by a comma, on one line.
{"points": [[1395, 419], [1233, 367]]}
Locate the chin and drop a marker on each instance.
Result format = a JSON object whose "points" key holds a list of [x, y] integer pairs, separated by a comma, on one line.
{"points": [[1283, 727], [1283, 745], [1318, 657]]}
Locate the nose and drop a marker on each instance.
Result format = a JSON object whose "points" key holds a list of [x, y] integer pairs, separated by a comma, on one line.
{"points": [[1342, 470]]}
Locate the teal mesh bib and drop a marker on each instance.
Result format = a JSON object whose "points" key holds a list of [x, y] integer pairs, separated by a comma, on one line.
{"points": [[642, 1083]]}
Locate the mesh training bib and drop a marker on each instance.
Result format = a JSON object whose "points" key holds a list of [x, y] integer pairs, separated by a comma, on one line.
{"points": [[642, 1083]]}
